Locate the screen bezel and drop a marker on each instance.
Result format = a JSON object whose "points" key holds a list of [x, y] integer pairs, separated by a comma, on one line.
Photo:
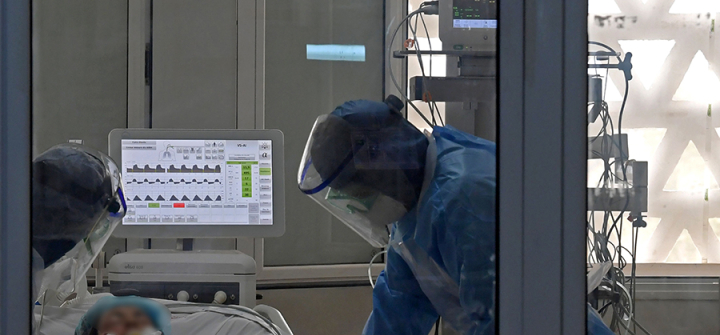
{"points": [[486, 19], [473, 39], [204, 231]]}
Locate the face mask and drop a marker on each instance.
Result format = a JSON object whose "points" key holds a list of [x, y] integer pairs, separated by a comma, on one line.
{"points": [[368, 216], [378, 209], [361, 175]]}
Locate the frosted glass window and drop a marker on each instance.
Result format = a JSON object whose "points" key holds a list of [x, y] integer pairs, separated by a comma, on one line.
{"points": [[671, 119]]}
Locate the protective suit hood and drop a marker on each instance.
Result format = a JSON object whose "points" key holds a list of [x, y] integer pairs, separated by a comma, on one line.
{"points": [[364, 163], [77, 203]]}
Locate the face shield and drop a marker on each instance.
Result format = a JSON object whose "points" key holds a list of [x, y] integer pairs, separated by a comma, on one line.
{"points": [[368, 175], [78, 201]]}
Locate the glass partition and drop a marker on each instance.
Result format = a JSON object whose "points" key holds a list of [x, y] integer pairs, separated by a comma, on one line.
{"points": [[307, 76], [653, 164], [168, 134]]}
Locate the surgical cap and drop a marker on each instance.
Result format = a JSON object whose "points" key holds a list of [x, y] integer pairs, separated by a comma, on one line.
{"points": [[157, 312], [71, 190]]}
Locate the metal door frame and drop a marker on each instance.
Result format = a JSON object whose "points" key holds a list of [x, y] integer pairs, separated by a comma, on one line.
{"points": [[15, 157], [542, 166], [541, 209]]}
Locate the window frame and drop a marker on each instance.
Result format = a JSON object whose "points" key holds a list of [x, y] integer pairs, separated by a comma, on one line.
{"points": [[542, 165], [15, 167]]}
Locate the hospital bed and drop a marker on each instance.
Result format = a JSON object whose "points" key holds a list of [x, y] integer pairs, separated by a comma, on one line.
{"points": [[187, 318]]}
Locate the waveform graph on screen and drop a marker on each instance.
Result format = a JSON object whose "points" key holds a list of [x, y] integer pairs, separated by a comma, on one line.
{"points": [[214, 182], [159, 168], [146, 169], [171, 182]]}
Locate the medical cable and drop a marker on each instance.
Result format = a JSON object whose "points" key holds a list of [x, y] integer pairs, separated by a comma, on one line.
{"points": [[607, 75], [392, 75], [42, 313], [622, 107], [390, 69], [369, 269], [416, 45], [431, 102], [612, 225], [630, 314], [67, 301], [607, 173], [427, 96]]}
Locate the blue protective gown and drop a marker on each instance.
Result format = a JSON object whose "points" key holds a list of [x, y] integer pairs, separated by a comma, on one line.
{"points": [[442, 255], [451, 229], [595, 323]]}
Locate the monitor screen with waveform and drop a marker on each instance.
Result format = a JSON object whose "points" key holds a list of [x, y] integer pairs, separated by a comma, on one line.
{"points": [[195, 182]]}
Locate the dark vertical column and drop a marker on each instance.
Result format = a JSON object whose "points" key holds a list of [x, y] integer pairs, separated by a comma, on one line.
{"points": [[15, 125], [542, 163]]}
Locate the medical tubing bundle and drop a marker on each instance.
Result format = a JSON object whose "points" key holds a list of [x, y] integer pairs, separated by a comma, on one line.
{"points": [[429, 8], [601, 248]]}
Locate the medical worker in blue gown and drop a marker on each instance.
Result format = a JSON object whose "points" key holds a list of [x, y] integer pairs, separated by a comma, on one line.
{"points": [[429, 198], [78, 201]]}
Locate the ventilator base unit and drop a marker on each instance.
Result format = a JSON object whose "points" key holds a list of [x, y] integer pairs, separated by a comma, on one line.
{"points": [[221, 277]]}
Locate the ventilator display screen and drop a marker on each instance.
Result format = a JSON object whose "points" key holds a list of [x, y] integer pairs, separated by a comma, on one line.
{"points": [[195, 182], [470, 14]]}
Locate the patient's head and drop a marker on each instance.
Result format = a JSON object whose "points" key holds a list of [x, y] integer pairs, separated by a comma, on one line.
{"points": [[125, 316], [122, 320]]}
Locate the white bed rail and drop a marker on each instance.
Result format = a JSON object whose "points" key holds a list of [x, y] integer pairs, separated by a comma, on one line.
{"points": [[275, 316]]}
